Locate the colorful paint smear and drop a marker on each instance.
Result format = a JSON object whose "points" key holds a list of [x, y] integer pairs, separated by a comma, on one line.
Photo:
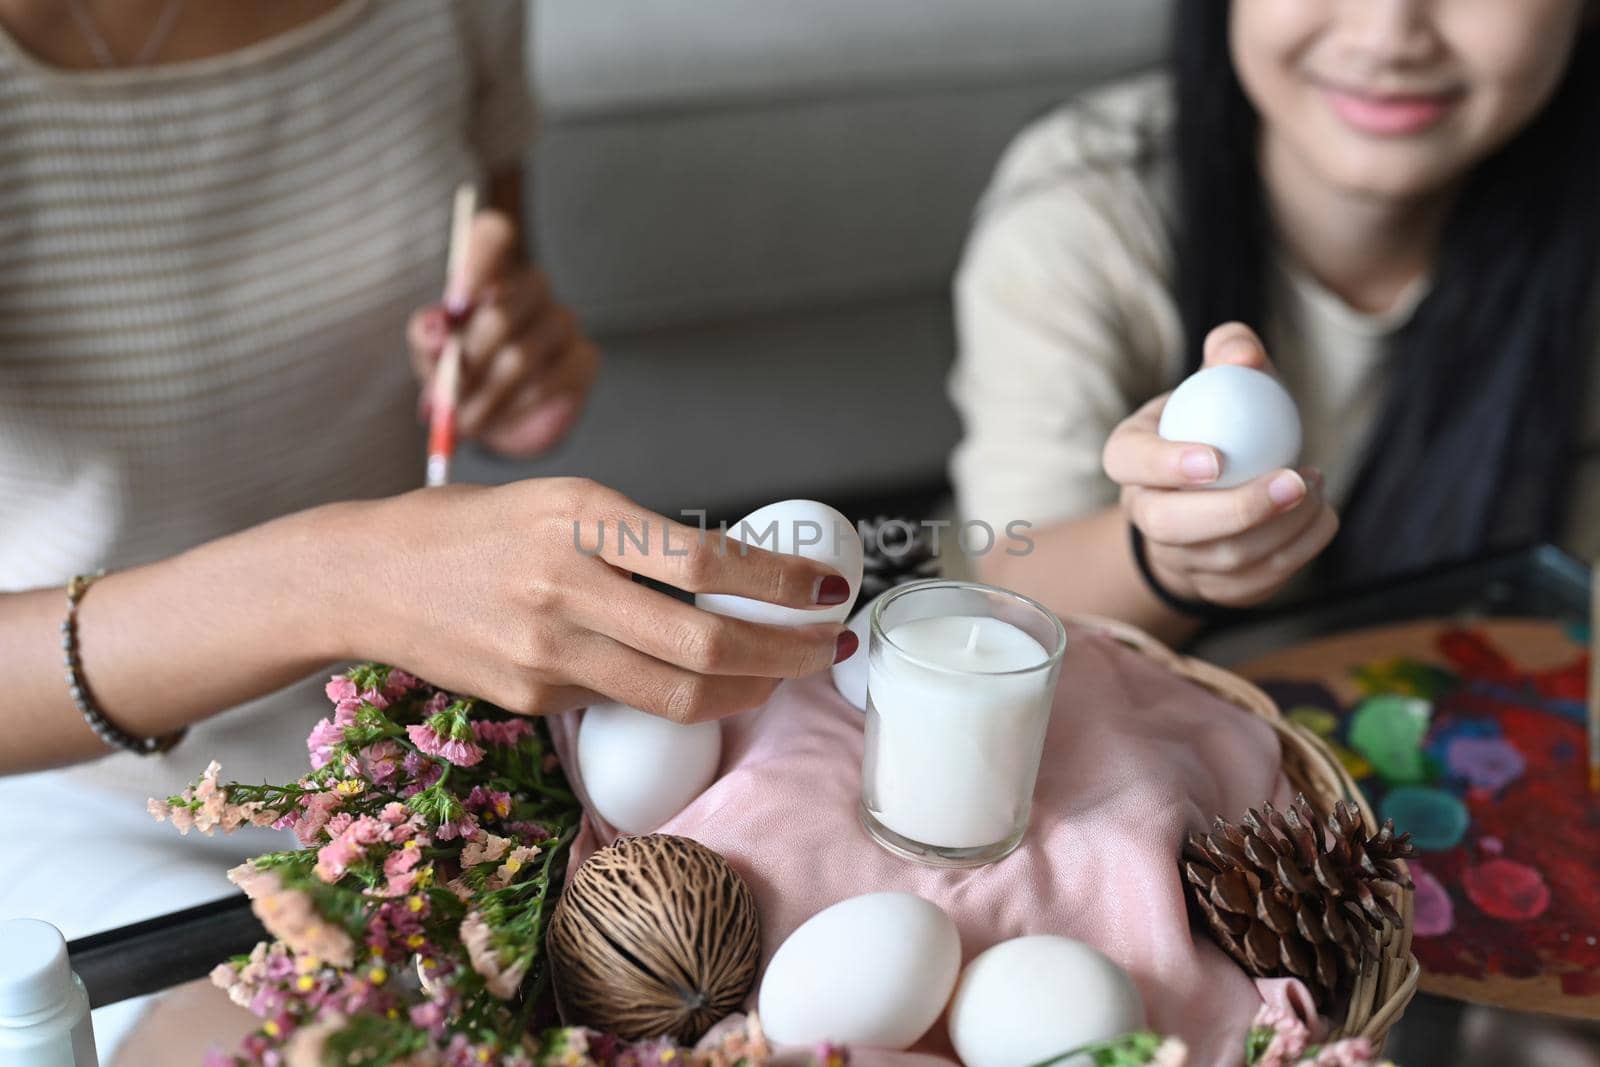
{"points": [[1484, 763]]}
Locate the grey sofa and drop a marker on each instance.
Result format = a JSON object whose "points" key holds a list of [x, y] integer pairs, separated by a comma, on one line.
{"points": [[756, 206]]}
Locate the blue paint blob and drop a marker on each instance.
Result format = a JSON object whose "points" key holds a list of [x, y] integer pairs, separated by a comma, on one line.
{"points": [[1445, 733], [1435, 819]]}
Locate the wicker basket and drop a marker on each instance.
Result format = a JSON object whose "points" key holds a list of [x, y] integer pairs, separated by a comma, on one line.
{"points": [[1388, 983]]}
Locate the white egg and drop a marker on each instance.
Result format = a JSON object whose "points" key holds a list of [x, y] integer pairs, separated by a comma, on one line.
{"points": [[873, 970], [1031, 998], [798, 528], [850, 675], [1243, 413], [640, 769]]}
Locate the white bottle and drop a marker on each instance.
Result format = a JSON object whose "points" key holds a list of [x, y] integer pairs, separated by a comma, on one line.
{"points": [[44, 1009]]}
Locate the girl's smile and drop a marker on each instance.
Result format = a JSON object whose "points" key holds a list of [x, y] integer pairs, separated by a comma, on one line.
{"points": [[1390, 114]]}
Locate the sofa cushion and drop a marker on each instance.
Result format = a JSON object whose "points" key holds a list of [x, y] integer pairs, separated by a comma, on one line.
{"points": [[703, 159], [602, 57]]}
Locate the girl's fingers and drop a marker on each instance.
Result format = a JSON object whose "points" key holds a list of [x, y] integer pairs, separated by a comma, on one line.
{"points": [[1237, 344], [684, 636], [627, 675], [1234, 554], [1268, 576], [1138, 456], [1176, 517]]}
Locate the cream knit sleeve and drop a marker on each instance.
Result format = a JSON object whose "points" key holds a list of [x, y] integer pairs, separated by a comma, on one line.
{"points": [[1065, 325]]}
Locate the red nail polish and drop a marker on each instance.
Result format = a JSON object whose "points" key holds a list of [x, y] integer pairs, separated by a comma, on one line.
{"points": [[848, 643], [457, 312], [833, 590]]}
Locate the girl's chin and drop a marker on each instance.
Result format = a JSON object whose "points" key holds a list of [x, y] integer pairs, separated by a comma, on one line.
{"points": [[1389, 170]]}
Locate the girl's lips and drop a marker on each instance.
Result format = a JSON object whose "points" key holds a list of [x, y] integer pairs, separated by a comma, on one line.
{"points": [[1389, 116]]}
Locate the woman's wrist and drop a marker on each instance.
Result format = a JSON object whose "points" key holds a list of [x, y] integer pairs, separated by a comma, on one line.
{"points": [[328, 557]]}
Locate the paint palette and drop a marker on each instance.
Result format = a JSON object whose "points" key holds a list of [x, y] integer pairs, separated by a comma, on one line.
{"points": [[1471, 737]]}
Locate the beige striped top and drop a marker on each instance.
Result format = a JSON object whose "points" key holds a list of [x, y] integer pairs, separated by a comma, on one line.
{"points": [[206, 271]]}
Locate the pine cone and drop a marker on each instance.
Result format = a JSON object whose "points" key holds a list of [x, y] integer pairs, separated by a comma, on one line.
{"points": [[896, 551], [1284, 900]]}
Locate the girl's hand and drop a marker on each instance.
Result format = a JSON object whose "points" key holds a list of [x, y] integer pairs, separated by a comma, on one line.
{"points": [[486, 591], [526, 364], [1232, 547]]}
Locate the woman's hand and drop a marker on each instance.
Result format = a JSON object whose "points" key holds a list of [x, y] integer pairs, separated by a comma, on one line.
{"points": [[487, 591], [1232, 547], [526, 364]]}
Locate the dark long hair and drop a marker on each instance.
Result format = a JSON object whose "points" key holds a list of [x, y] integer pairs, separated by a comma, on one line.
{"points": [[1476, 439]]}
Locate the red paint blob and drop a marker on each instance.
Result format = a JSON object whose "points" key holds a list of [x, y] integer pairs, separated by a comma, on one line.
{"points": [[1579, 984], [1506, 889]]}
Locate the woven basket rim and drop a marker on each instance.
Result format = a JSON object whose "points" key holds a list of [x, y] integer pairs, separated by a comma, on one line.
{"points": [[1386, 984]]}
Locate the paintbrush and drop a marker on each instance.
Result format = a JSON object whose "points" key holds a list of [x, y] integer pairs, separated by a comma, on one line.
{"points": [[446, 387], [1594, 677]]}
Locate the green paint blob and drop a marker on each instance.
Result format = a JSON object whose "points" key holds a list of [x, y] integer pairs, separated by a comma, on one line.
{"points": [[1388, 731], [1435, 819], [1319, 721]]}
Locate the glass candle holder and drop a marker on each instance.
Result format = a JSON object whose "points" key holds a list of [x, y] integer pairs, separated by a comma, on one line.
{"points": [[960, 681]]}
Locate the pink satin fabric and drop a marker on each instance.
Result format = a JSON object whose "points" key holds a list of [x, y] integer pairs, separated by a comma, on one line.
{"points": [[1133, 758]]}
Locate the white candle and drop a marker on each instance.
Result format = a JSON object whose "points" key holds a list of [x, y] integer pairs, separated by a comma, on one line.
{"points": [[953, 740]]}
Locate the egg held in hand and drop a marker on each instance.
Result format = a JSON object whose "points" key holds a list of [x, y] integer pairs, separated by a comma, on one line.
{"points": [[1031, 998], [1245, 414], [639, 770], [873, 971], [796, 528], [850, 675]]}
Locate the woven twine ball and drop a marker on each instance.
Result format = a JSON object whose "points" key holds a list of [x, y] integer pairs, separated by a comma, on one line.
{"points": [[656, 936]]}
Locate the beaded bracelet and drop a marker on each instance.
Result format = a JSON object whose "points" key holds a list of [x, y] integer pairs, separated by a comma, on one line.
{"points": [[79, 688]]}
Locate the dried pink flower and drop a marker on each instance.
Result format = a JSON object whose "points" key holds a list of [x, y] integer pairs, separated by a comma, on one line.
{"points": [[507, 733], [1351, 1052], [348, 848], [381, 761], [466, 828], [400, 682], [506, 873], [1172, 1052], [316, 809], [289, 915], [320, 742], [489, 803], [487, 849], [459, 752], [478, 939]]}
